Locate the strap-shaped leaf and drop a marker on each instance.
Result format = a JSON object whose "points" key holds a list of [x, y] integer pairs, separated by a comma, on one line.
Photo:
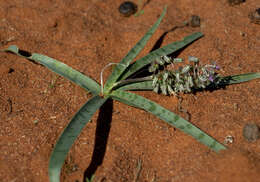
{"points": [[119, 68], [235, 79], [168, 116], [145, 85], [166, 50], [226, 80], [69, 135], [61, 69]]}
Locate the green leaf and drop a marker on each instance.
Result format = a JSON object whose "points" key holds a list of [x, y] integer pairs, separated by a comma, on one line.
{"points": [[91, 178], [70, 134], [235, 79], [139, 13], [144, 85], [227, 80], [59, 68], [168, 116], [119, 68], [166, 50]]}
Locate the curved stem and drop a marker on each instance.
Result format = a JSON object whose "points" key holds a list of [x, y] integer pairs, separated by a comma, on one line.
{"points": [[101, 75]]}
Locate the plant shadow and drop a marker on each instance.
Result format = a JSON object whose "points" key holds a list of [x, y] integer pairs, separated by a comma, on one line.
{"points": [[159, 42], [144, 72], [101, 138], [220, 83]]}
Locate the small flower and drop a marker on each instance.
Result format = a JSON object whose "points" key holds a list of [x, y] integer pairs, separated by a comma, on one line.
{"points": [[164, 89], [217, 67], [177, 60], [186, 69], [170, 90], [190, 81], [193, 59], [156, 88], [160, 61], [155, 81], [211, 78], [166, 59], [165, 76]]}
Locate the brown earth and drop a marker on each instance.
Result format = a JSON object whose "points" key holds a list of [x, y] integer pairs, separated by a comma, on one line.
{"points": [[36, 105]]}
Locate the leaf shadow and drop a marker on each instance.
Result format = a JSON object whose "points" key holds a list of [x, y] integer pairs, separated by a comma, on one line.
{"points": [[220, 83], [144, 72], [25, 54], [101, 138], [159, 42]]}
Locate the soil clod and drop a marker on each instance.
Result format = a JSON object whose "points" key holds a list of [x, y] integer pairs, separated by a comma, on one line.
{"points": [[194, 21], [255, 16], [235, 2], [10, 70], [251, 132]]}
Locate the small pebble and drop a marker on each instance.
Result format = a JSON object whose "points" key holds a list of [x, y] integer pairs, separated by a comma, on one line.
{"points": [[127, 8], [235, 2], [251, 132], [255, 16], [229, 139], [35, 121], [194, 21], [242, 34], [75, 168]]}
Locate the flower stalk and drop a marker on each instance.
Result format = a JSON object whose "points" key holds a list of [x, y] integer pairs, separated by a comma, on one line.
{"points": [[184, 79]]}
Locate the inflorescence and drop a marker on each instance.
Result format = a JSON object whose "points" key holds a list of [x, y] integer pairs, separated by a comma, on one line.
{"points": [[184, 79]]}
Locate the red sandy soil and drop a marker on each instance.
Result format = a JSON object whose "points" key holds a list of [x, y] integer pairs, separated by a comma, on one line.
{"points": [[36, 105]]}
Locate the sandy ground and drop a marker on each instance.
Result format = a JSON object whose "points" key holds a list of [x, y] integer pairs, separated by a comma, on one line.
{"points": [[36, 105]]}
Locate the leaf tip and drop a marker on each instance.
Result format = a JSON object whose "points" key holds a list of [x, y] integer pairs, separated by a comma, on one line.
{"points": [[12, 48]]}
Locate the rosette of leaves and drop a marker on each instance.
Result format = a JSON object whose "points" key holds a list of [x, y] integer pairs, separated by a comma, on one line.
{"points": [[116, 88]]}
